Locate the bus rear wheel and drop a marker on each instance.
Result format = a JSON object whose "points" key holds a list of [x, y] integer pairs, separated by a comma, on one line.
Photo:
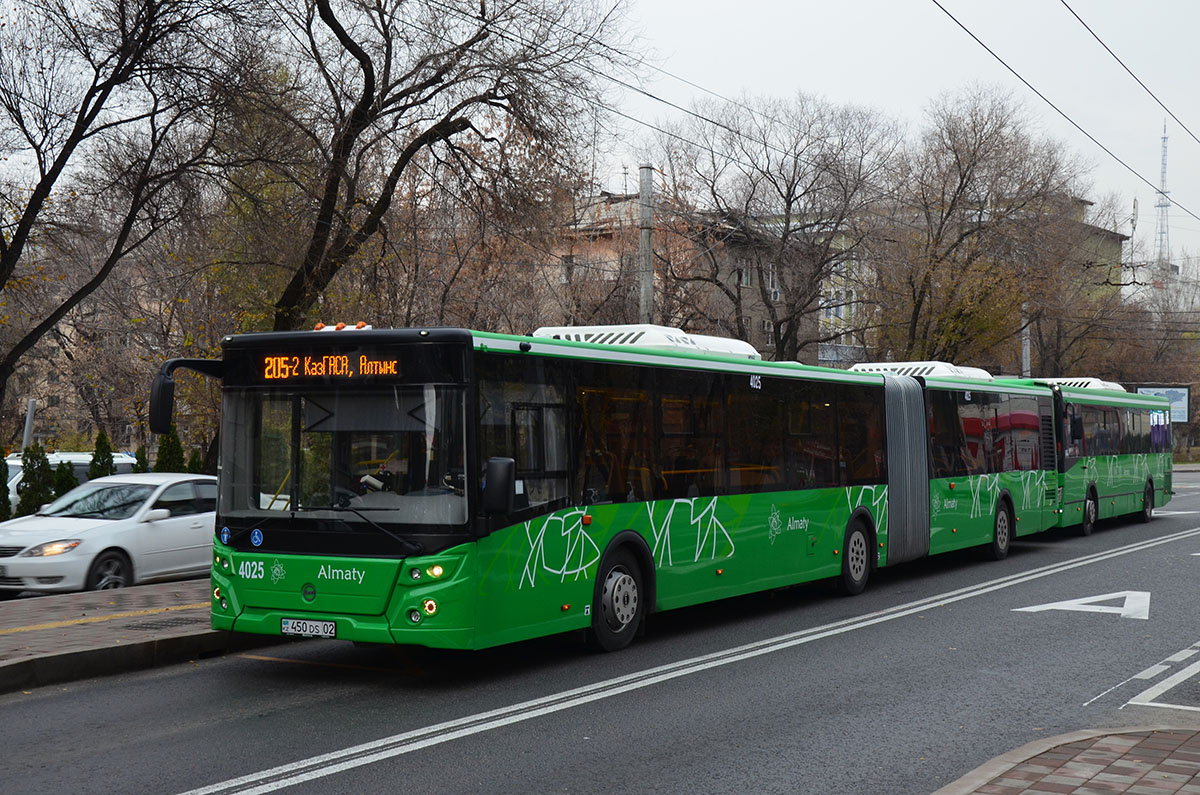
{"points": [[618, 607], [856, 563], [1002, 533], [1147, 504]]}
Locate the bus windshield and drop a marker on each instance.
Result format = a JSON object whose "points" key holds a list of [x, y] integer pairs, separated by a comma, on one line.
{"points": [[384, 456]]}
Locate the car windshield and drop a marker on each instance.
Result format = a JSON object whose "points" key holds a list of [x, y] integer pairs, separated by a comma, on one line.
{"points": [[392, 455], [100, 501]]}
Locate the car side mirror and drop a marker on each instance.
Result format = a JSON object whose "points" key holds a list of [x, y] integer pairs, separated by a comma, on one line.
{"points": [[157, 514]]}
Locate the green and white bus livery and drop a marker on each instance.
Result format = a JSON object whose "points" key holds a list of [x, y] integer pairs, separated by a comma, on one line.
{"points": [[461, 489]]}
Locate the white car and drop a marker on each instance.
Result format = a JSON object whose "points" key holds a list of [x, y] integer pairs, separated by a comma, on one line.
{"points": [[112, 532]]}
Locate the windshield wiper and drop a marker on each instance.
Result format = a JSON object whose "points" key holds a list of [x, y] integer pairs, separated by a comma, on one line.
{"points": [[410, 547]]}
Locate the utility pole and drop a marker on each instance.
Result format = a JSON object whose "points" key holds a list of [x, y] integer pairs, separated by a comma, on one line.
{"points": [[645, 259]]}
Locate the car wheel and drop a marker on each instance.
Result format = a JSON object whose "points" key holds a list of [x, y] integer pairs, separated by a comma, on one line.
{"points": [[856, 563], [619, 605], [110, 569], [1002, 533], [1147, 504], [1091, 510]]}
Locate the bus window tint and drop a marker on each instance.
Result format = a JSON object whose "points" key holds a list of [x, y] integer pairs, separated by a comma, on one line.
{"points": [[1160, 432], [1024, 433], [274, 456], [757, 430], [689, 449], [812, 436], [945, 433], [1101, 431], [523, 416], [861, 435], [974, 419], [616, 425]]}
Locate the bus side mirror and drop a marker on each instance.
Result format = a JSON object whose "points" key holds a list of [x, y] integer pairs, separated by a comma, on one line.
{"points": [[162, 391], [162, 402], [1076, 428], [499, 486]]}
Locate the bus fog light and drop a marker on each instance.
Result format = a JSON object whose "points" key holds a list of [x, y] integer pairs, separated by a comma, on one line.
{"points": [[430, 607], [436, 570], [414, 616], [415, 574]]}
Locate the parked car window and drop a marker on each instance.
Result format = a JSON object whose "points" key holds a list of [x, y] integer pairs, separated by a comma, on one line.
{"points": [[206, 495], [100, 501], [179, 499]]}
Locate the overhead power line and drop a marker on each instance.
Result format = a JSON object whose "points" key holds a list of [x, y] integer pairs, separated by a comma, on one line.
{"points": [[1130, 71], [1057, 109]]}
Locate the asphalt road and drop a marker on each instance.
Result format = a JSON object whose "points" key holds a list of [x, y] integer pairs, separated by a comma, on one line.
{"points": [[937, 668]]}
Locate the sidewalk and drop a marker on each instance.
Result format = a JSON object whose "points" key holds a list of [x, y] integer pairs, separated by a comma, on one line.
{"points": [[1145, 761], [48, 639]]}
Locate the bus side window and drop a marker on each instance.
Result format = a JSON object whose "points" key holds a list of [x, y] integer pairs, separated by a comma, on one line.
{"points": [[615, 442], [523, 416]]}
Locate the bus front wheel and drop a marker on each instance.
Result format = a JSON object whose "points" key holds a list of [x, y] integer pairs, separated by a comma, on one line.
{"points": [[1091, 510], [856, 563], [1147, 504], [619, 606]]}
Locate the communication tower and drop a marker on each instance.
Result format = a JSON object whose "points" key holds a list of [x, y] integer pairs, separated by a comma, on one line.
{"points": [[1163, 205]]}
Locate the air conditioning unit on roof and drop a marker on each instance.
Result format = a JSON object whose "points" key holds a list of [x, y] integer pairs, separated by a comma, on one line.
{"points": [[934, 369], [644, 335]]}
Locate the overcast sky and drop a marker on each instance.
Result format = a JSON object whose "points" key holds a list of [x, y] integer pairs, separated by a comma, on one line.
{"points": [[896, 55]]}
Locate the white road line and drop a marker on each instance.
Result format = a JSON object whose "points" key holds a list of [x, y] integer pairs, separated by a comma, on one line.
{"points": [[316, 767], [1146, 697], [1152, 671], [1181, 656]]}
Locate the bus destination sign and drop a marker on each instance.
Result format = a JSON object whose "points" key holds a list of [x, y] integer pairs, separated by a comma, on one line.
{"points": [[330, 365]]}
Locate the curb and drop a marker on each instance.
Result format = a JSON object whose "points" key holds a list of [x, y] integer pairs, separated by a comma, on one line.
{"points": [[980, 776], [50, 669]]}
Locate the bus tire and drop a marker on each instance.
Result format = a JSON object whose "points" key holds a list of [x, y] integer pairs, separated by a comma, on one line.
{"points": [[1147, 504], [856, 560], [1091, 510], [619, 605], [1002, 531]]}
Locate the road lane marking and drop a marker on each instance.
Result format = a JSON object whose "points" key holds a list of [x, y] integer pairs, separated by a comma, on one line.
{"points": [[93, 619], [1134, 604], [1150, 672], [328, 764], [1146, 697]]}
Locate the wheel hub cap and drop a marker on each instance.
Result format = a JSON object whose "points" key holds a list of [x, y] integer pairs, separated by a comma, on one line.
{"points": [[857, 556], [619, 599]]}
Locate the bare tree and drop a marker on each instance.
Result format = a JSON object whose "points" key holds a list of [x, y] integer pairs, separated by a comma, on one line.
{"points": [[107, 109], [783, 189], [380, 83], [962, 246]]}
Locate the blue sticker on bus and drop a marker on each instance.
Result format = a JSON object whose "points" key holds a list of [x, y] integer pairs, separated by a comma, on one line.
{"points": [[256, 537], [224, 535]]}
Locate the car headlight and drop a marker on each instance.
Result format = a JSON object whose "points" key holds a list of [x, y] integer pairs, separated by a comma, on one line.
{"points": [[51, 548]]}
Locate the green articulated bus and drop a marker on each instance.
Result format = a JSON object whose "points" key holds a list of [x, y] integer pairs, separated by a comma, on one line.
{"points": [[460, 489]]}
